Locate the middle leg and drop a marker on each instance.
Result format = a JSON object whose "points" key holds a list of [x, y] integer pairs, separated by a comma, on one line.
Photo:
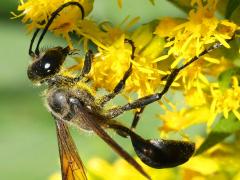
{"points": [[142, 102], [139, 103], [136, 118]]}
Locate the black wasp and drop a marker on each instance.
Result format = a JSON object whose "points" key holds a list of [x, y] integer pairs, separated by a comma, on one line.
{"points": [[70, 103]]}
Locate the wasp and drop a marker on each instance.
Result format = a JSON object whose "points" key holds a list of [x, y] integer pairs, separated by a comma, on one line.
{"points": [[70, 102]]}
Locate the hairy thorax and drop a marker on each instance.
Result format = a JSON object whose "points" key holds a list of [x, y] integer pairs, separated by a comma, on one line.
{"points": [[74, 106]]}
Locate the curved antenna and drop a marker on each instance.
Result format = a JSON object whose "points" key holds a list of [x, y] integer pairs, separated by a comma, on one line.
{"points": [[30, 52], [54, 14]]}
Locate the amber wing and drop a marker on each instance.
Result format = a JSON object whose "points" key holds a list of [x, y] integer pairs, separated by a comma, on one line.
{"points": [[105, 137], [71, 164]]}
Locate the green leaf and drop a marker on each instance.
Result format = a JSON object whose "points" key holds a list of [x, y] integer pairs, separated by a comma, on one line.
{"points": [[232, 5], [223, 129], [224, 78]]}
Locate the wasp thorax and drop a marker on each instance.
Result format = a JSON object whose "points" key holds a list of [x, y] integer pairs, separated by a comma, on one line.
{"points": [[58, 101], [47, 63]]}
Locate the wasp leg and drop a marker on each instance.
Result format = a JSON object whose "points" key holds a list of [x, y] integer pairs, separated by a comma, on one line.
{"points": [[133, 125], [117, 89], [141, 102], [136, 118], [122, 82], [60, 79], [87, 65]]}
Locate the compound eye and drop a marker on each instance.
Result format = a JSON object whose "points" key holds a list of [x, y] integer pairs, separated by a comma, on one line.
{"points": [[50, 62], [47, 64]]}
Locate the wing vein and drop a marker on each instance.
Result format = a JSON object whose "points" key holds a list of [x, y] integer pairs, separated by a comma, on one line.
{"points": [[71, 164]]}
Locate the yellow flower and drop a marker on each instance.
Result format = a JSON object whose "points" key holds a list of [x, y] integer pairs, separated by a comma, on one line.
{"points": [[110, 64], [193, 76], [36, 13], [91, 31], [195, 97], [166, 26], [203, 165], [195, 79], [112, 61], [178, 120], [189, 39], [227, 101], [219, 162], [120, 169], [104, 34]]}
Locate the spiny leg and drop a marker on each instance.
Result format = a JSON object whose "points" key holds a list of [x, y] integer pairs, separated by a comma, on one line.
{"points": [[141, 102], [122, 82]]}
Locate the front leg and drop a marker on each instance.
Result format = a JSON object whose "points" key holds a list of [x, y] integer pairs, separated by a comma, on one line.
{"points": [[117, 89], [86, 67], [122, 82]]}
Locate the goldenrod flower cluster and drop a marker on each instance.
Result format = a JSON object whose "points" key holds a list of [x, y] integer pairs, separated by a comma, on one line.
{"points": [[161, 45], [220, 162]]}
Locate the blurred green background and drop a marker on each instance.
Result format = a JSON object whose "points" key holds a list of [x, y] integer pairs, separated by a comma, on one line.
{"points": [[28, 145]]}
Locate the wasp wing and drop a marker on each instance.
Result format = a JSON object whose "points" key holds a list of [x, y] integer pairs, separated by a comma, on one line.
{"points": [[92, 123], [71, 164]]}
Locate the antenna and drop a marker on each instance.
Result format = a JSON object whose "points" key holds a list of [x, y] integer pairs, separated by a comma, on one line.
{"points": [[54, 14]]}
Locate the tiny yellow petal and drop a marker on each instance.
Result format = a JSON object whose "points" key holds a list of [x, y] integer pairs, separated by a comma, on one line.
{"points": [[222, 41], [212, 60], [160, 58], [237, 114]]}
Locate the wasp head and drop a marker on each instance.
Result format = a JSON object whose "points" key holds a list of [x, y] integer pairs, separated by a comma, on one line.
{"points": [[47, 64]]}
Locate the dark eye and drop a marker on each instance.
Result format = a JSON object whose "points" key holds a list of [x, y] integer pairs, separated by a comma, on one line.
{"points": [[47, 64]]}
